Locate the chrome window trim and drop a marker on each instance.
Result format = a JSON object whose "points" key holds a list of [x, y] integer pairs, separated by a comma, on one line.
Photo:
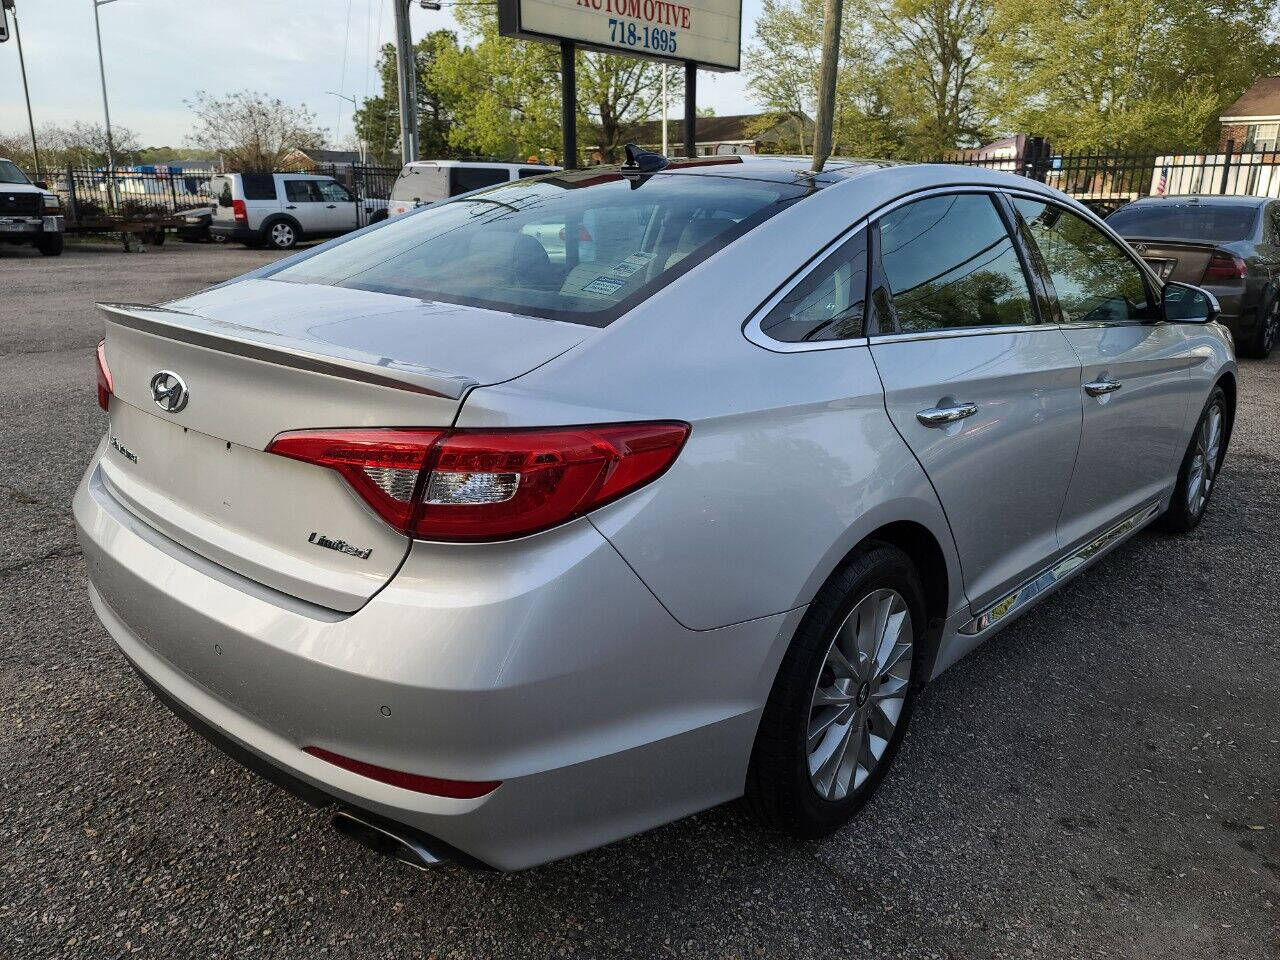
{"points": [[952, 332], [752, 329]]}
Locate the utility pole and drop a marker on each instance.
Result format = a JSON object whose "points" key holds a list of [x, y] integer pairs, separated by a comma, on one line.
{"points": [[407, 75], [22, 65], [832, 12]]}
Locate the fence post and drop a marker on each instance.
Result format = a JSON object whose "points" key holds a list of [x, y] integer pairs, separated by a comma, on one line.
{"points": [[1226, 166], [71, 193]]}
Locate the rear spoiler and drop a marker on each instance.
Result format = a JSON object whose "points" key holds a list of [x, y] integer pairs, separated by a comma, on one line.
{"points": [[271, 347]]}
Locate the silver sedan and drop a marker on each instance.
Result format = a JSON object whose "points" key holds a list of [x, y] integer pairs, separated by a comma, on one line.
{"points": [[553, 512]]}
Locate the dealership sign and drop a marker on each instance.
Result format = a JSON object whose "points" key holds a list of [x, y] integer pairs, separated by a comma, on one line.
{"points": [[705, 32]]}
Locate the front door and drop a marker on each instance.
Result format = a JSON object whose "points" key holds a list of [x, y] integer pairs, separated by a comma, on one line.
{"points": [[1135, 372], [303, 202], [986, 396], [340, 207]]}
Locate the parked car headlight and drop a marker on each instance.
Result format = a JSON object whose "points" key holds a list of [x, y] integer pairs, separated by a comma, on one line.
{"points": [[51, 201]]}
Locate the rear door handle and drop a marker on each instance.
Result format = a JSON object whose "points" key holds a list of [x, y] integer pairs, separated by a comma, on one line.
{"points": [[941, 416], [1097, 388], [291, 206], [334, 206]]}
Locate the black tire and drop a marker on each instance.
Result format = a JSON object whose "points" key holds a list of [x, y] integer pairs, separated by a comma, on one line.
{"points": [[1267, 335], [51, 245], [156, 238], [779, 788], [281, 234], [1185, 511]]}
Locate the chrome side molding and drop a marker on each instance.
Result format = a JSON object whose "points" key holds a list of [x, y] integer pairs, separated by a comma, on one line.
{"points": [[1057, 574]]}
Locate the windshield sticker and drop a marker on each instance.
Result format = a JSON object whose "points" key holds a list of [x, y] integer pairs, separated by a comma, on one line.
{"points": [[604, 286], [608, 283]]}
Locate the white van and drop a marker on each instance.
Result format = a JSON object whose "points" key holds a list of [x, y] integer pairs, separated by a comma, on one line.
{"points": [[282, 209], [426, 181]]}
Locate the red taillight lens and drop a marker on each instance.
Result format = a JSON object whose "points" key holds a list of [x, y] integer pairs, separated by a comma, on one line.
{"points": [[238, 210], [105, 387], [1224, 266], [383, 466], [458, 789], [489, 484]]}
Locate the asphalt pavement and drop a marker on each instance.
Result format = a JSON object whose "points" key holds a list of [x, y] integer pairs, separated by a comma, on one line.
{"points": [[1101, 780]]}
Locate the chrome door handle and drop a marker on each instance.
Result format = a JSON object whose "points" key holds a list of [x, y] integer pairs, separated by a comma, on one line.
{"points": [[1097, 388], [941, 416]]}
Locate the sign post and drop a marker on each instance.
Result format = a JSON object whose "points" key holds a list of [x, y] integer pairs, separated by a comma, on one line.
{"points": [[568, 105], [704, 34]]}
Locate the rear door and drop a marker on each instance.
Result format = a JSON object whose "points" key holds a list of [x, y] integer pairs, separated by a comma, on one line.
{"points": [[303, 202], [1136, 384], [986, 396]]}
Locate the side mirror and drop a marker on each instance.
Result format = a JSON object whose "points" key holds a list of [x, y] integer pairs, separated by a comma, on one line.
{"points": [[1183, 303]]}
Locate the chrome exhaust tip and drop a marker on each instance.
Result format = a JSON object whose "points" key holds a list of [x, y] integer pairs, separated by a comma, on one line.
{"points": [[386, 839]]}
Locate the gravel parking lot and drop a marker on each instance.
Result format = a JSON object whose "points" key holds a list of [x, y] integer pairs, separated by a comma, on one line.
{"points": [[1101, 780]]}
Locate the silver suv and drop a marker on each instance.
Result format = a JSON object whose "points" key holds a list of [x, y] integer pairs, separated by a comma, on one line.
{"points": [[282, 209], [511, 542]]}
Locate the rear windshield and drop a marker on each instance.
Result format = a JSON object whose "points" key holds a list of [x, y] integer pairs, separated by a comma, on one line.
{"points": [[1185, 221], [418, 185], [582, 247]]}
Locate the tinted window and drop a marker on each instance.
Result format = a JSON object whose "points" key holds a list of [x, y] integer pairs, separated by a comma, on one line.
{"points": [[949, 262], [1186, 221], [581, 247], [464, 179], [828, 303], [1094, 280], [301, 191], [532, 172], [419, 185], [258, 186]]}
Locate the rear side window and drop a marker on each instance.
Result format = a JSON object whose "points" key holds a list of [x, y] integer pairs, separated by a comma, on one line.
{"points": [[259, 186], [301, 191], [828, 303], [1186, 221], [466, 179], [1094, 280], [582, 247], [532, 172], [949, 263]]}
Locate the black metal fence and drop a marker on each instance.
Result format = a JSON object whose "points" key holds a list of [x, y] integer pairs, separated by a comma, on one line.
{"points": [[100, 197], [1107, 181]]}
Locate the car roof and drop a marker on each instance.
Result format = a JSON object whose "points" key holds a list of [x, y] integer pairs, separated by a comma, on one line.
{"points": [[478, 163], [1207, 199]]}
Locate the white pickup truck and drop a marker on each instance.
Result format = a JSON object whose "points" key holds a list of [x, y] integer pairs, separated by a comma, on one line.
{"points": [[29, 213]]}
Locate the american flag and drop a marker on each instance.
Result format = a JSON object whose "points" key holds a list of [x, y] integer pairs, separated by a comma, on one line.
{"points": [[1163, 182]]}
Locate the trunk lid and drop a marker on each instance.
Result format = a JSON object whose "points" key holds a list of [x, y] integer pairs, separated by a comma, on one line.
{"points": [[260, 357], [1180, 260]]}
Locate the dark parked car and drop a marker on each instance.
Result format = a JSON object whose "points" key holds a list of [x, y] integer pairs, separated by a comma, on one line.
{"points": [[1228, 245], [193, 224]]}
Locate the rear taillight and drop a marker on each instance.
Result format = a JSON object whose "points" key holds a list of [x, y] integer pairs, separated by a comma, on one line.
{"points": [[238, 211], [105, 387], [1224, 266], [489, 484]]}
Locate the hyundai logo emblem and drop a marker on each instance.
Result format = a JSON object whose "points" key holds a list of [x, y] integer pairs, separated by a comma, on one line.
{"points": [[169, 392]]}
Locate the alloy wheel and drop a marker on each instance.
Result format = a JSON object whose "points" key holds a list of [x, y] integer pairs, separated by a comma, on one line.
{"points": [[1204, 461], [860, 693], [282, 235]]}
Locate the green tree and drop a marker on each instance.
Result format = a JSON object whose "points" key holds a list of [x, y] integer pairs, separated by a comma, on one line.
{"points": [[252, 131], [1125, 74], [377, 121]]}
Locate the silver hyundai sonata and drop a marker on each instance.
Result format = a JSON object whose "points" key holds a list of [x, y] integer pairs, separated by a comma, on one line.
{"points": [[556, 511]]}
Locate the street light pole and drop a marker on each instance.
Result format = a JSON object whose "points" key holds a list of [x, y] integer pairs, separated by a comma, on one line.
{"points": [[106, 111], [22, 65], [354, 107]]}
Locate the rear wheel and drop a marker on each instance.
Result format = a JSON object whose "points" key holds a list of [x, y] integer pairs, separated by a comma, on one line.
{"points": [[51, 245], [1268, 333], [1200, 466], [842, 698], [282, 235]]}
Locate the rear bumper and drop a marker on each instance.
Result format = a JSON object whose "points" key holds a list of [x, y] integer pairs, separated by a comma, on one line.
{"points": [[544, 664], [233, 231]]}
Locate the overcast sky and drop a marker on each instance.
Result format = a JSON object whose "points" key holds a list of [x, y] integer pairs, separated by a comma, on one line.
{"points": [[160, 52]]}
